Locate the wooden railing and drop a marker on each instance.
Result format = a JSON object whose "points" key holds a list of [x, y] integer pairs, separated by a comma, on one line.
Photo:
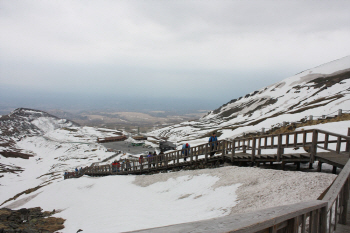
{"points": [[313, 216], [337, 198], [311, 140], [164, 161]]}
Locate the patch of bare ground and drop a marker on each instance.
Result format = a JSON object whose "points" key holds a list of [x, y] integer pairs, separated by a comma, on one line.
{"points": [[9, 169], [320, 101], [29, 220], [11, 154], [28, 191]]}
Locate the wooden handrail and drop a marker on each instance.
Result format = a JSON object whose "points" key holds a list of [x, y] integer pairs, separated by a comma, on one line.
{"points": [[286, 217], [337, 185]]}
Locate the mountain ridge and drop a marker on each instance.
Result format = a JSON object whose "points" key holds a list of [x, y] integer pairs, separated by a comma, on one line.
{"points": [[315, 91]]}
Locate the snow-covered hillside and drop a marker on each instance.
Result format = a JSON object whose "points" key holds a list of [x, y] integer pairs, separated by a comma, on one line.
{"points": [[318, 91], [36, 148]]}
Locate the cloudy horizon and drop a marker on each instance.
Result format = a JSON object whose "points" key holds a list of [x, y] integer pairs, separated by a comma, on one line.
{"points": [[198, 53]]}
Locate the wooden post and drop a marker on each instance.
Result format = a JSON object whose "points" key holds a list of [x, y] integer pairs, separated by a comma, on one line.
{"points": [[233, 149], [178, 157], [304, 138], [279, 148], [265, 142], [157, 160], [319, 166], [206, 152], [223, 149], [334, 170], [343, 217], [272, 141], [340, 112], [348, 142], [259, 146], [287, 139], [191, 154], [338, 145], [166, 157], [314, 145], [253, 149], [323, 220], [295, 139], [133, 166], [326, 138], [141, 165]]}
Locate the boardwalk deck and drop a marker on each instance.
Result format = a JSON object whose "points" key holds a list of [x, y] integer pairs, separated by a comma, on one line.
{"points": [[246, 150], [332, 158]]}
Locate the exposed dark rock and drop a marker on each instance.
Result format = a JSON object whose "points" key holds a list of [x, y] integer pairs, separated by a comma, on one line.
{"points": [[11, 154], [31, 220]]}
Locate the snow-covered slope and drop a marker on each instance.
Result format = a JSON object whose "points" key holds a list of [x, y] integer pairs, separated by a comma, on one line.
{"points": [[318, 91], [24, 122], [36, 148]]}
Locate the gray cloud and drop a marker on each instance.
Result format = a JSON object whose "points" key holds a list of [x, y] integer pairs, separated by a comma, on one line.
{"points": [[167, 46]]}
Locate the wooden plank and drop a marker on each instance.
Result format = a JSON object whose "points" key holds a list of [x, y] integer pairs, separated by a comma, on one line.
{"points": [[348, 142], [338, 145], [279, 150], [253, 148], [334, 134], [339, 182], [244, 222], [342, 228]]}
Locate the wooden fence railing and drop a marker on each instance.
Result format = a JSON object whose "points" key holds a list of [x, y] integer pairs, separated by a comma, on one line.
{"points": [[337, 198], [166, 160], [312, 217], [311, 140]]}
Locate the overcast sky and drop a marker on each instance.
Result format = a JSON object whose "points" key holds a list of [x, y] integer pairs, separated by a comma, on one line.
{"points": [[206, 52]]}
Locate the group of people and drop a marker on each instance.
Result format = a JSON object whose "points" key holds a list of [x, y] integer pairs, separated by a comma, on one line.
{"points": [[123, 165], [151, 159], [77, 173], [213, 140]]}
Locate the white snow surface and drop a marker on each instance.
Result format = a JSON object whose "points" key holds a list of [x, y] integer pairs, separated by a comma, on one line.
{"points": [[126, 203]]}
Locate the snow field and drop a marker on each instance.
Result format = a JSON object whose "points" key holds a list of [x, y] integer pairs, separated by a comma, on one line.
{"points": [[126, 203]]}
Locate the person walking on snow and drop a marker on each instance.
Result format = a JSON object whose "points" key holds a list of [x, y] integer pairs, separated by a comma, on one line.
{"points": [[186, 150], [214, 145]]}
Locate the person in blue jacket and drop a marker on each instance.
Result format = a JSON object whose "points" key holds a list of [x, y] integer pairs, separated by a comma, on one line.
{"points": [[214, 139], [186, 150]]}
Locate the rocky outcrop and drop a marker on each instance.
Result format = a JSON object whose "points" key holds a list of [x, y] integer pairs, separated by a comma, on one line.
{"points": [[30, 220]]}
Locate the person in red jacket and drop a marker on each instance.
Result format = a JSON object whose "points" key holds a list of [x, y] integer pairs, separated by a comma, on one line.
{"points": [[118, 166], [114, 166]]}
